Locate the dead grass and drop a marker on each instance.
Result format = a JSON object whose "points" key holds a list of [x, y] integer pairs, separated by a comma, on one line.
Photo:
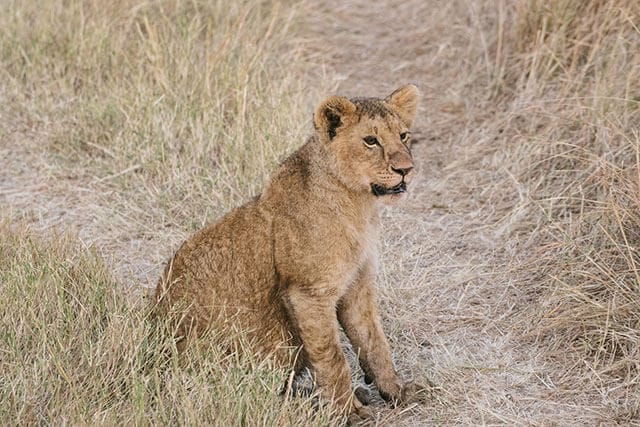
{"points": [[570, 141], [76, 349], [510, 277], [176, 111], [127, 121]]}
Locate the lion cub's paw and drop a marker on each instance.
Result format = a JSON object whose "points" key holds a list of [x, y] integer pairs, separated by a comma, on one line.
{"points": [[360, 416], [414, 392], [363, 394], [409, 392]]}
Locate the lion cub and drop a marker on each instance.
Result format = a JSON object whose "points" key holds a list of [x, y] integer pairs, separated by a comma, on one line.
{"points": [[297, 262]]}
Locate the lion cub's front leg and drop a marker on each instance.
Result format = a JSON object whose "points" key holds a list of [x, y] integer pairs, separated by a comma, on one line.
{"points": [[358, 315], [317, 325]]}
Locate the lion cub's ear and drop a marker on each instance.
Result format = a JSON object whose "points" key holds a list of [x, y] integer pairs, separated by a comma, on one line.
{"points": [[405, 101], [332, 113]]}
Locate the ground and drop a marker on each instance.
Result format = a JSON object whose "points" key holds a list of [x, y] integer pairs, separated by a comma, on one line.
{"points": [[448, 295], [451, 286]]}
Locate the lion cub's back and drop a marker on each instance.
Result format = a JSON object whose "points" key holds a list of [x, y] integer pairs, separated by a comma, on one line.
{"points": [[225, 267]]}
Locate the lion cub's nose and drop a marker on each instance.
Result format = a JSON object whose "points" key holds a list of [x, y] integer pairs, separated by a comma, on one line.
{"points": [[402, 171]]}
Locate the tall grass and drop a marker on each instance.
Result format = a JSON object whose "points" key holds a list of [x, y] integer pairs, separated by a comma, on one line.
{"points": [[76, 349], [572, 124], [171, 112], [190, 103], [162, 115]]}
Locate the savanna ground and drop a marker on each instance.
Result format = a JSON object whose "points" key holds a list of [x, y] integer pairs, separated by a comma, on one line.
{"points": [[509, 277]]}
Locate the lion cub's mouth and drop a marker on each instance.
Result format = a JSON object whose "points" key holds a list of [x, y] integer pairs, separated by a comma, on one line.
{"points": [[379, 190]]}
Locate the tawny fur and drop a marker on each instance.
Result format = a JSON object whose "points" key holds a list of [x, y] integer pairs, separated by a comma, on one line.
{"points": [[293, 265]]}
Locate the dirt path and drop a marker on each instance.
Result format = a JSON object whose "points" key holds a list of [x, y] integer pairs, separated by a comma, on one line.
{"points": [[448, 288]]}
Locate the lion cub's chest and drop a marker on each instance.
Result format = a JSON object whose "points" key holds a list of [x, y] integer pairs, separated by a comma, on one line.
{"points": [[327, 256], [355, 250]]}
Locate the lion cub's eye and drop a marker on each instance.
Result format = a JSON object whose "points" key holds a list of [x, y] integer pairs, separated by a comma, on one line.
{"points": [[404, 136], [371, 141]]}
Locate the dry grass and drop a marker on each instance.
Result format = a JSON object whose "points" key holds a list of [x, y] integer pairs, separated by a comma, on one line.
{"points": [[510, 277], [76, 350], [127, 121], [568, 142], [176, 110]]}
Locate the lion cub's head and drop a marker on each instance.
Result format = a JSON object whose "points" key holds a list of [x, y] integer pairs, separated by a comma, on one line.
{"points": [[369, 139]]}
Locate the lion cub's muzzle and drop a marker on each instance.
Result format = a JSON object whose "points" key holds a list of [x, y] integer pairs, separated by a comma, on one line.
{"points": [[399, 188], [402, 171], [379, 190], [401, 166]]}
